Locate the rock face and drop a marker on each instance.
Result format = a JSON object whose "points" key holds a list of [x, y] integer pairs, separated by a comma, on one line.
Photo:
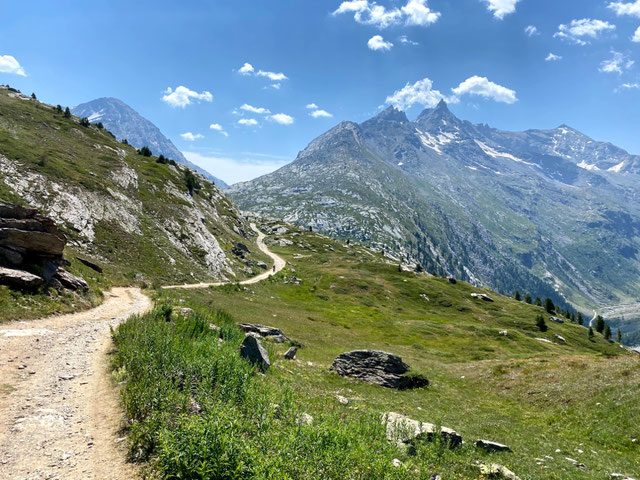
{"points": [[403, 430], [30, 241], [253, 350], [482, 296], [377, 367], [264, 331]]}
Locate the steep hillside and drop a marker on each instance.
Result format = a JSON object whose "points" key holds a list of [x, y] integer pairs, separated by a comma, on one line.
{"points": [[125, 123], [130, 214], [549, 212]]}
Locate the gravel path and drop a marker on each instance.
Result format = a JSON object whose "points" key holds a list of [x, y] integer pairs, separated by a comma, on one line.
{"points": [[59, 411]]}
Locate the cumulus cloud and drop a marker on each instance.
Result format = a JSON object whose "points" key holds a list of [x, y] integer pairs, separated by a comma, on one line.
{"points": [[378, 43], [407, 41], [414, 12], [252, 109], [483, 87], [628, 86], [577, 30], [248, 122], [636, 36], [246, 69], [552, 57], [312, 106], [9, 64], [618, 63], [626, 8], [182, 96], [531, 31], [281, 118], [218, 128], [420, 93], [500, 8], [191, 136], [275, 77], [320, 113]]}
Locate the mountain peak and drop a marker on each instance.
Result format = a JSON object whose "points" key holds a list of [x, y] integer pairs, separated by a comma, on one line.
{"points": [[435, 118], [392, 114]]}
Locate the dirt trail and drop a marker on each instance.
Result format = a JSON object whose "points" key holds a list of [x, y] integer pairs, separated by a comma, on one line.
{"points": [[278, 264], [59, 414]]}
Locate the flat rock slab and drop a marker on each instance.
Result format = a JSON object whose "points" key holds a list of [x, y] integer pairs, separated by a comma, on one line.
{"points": [[403, 430], [490, 446], [20, 279], [482, 296], [265, 331], [381, 368]]}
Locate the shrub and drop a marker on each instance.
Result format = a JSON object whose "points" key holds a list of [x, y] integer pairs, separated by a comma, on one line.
{"points": [[84, 121], [516, 296], [145, 151], [192, 182], [590, 333], [607, 332], [527, 299], [67, 113], [541, 324]]}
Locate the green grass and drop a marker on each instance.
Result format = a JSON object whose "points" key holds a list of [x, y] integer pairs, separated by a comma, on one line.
{"points": [[534, 396]]}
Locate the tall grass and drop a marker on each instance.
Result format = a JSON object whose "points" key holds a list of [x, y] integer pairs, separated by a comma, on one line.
{"points": [[199, 411]]}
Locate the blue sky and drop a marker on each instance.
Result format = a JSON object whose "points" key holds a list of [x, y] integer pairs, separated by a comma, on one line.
{"points": [[343, 59]]}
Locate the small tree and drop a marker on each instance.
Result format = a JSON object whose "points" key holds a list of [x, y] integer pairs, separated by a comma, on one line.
{"points": [[193, 185], [145, 151], [607, 332], [67, 113], [549, 306], [33, 95], [538, 302], [516, 296], [84, 121], [541, 324], [528, 299], [580, 319], [419, 268], [599, 324], [162, 159], [100, 125], [58, 109], [125, 141], [619, 336], [590, 333]]}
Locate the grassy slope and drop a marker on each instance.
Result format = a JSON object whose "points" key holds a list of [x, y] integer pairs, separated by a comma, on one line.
{"points": [[534, 396], [83, 159]]}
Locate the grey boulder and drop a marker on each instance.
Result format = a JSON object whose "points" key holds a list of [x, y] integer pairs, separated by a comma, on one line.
{"points": [[20, 279], [403, 430], [252, 350], [490, 446]]}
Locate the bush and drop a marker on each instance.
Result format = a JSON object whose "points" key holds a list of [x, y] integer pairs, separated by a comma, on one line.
{"points": [[84, 121], [67, 113], [145, 151], [163, 160], [192, 182], [541, 324], [516, 296]]}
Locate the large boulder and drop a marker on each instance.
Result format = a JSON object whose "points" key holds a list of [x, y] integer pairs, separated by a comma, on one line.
{"points": [[264, 331], [490, 446], [377, 367], [69, 281], [403, 430], [253, 350], [33, 242], [19, 279]]}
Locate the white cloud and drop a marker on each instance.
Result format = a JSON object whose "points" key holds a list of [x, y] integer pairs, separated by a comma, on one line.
{"points": [[9, 64], [248, 122], [191, 136], [636, 36], [420, 93], [586, 27], [320, 113], [628, 86], [617, 63], [552, 57], [242, 168], [414, 12], [218, 128], [246, 69], [281, 118], [378, 43], [182, 96], [275, 77], [626, 8], [483, 87], [500, 8], [275, 85], [252, 109], [531, 30], [407, 41], [312, 106]]}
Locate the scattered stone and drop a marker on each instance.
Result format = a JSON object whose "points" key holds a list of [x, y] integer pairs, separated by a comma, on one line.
{"points": [[91, 265], [576, 463], [21, 367], [543, 340], [556, 319], [396, 463], [494, 470], [503, 332], [253, 350], [304, 419], [482, 296], [185, 312], [194, 407], [285, 243], [561, 338], [69, 281], [377, 367], [404, 431], [342, 400], [491, 446], [66, 377], [264, 331], [262, 265], [19, 279], [291, 353], [619, 476]]}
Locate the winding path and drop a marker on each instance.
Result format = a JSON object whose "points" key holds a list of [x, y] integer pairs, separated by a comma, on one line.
{"points": [[59, 413]]}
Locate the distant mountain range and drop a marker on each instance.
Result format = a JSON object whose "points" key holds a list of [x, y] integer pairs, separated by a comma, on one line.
{"points": [[549, 212], [125, 123]]}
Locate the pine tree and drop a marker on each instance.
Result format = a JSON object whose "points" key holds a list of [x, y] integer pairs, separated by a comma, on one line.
{"points": [[193, 185], [580, 319], [538, 302], [619, 336], [58, 109], [607, 332], [67, 113], [549, 306], [33, 95], [517, 296], [541, 324], [590, 333], [527, 299], [125, 141], [599, 324], [145, 151]]}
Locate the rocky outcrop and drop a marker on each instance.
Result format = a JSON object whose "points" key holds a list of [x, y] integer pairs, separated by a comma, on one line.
{"points": [[291, 353], [253, 350], [264, 331], [31, 248], [490, 446], [482, 296], [377, 367], [404, 431], [493, 470]]}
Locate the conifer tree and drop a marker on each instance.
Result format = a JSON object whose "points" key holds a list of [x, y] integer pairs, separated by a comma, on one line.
{"points": [[67, 113], [541, 324], [517, 296], [619, 336], [528, 299], [538, 302], [599, 324], [607, 332], [590, 333], [580, 319], [549, 306]]}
